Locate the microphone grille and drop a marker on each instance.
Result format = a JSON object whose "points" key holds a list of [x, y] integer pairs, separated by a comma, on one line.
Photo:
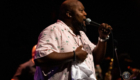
{"points": [[88, 20]]}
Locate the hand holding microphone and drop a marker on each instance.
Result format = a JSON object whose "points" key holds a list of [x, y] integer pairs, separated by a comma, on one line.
{"points": [[104, 29]]}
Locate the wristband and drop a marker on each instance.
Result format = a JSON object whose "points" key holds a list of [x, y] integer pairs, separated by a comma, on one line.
{"points": [[103, 40], [74, 56]]}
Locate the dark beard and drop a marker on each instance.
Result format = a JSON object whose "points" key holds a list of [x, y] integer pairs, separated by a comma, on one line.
{"points": [[80, 27]]}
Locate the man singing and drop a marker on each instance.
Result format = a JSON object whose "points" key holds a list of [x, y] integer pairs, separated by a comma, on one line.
{"points": [[64, 42]]}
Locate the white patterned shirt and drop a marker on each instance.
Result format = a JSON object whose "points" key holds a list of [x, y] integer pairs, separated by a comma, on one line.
{"points": [[60, 38]]}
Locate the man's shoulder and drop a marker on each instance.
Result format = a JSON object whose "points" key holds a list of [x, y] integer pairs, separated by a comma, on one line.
{"points": [[53, 26]]}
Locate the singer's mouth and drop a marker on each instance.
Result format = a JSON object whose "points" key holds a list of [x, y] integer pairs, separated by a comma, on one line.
{"points": [[84, 19], [84, 23]]}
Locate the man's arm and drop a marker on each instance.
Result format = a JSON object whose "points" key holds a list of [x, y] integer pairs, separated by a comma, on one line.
{"points": [[18, 73], [55, 58], [99, 52], [100, 49]]}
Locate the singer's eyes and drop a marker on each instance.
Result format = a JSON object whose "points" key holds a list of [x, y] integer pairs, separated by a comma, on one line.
{"points": [[81, 10]]}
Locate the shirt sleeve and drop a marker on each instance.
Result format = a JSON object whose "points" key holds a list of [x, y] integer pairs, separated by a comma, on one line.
{"points": [[48, 41]]}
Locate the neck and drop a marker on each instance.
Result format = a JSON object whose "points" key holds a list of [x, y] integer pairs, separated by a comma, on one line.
{"points": [[72, 26]]}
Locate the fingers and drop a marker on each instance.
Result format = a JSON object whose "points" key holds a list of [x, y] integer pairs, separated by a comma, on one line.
{"points": [[80, 46], [105, 28], [81, 54]]}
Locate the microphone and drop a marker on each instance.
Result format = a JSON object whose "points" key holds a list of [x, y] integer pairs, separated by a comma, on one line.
{"points": [[90, 22]]}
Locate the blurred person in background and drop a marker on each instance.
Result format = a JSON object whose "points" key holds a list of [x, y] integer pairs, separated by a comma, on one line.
{"points": [[126, 65], [26, 70], [98, 72]]}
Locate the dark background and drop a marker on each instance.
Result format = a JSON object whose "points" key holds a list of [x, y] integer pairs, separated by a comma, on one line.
{"points": [[22, 22]]}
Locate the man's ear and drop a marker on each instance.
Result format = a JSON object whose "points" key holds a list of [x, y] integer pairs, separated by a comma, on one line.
{"points": [[68, 14]]}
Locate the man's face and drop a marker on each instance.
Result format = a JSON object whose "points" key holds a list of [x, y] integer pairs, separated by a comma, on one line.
{"points": [[79, 14]]}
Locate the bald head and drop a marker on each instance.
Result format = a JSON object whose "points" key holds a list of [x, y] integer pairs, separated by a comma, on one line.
{"points": [[67, 6]]}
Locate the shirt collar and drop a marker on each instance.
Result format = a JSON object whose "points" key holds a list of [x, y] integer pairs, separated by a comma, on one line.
{"points": [[66, 27]]}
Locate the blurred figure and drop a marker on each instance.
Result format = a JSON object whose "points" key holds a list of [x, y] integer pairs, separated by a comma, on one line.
{"points": [[26, 70], [135, 73], [98, 72], [125, 63]]}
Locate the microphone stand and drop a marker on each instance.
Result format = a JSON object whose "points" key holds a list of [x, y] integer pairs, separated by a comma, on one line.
{"points": [[115, 53]]}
